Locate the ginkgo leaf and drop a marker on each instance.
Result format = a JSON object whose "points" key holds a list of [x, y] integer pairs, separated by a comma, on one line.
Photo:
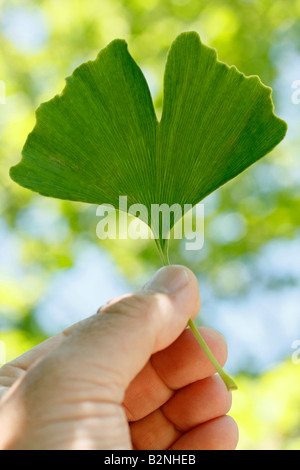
{"points": [[101, 139]]}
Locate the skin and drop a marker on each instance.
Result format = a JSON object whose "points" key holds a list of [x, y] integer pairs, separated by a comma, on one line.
{"points": [[130, 377]]}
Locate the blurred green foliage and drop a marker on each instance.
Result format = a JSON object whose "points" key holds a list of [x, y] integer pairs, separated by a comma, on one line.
{"points": [[41, 42]]}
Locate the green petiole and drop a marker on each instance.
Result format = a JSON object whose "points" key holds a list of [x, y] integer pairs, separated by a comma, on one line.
{"points": [[229, 382]]}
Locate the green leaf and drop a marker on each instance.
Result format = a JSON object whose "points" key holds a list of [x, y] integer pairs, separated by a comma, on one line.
{"points": [[100, 139]]}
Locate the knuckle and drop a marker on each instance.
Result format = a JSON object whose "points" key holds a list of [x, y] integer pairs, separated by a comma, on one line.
{"points": [[142, 304], [224, 397], [233, 432]]}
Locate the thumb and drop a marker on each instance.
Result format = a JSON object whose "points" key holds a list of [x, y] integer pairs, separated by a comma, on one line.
{"points": [[129, 330]]}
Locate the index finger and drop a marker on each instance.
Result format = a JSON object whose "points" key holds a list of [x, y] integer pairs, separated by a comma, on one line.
{"points": [[180, 364], [14, 370]]}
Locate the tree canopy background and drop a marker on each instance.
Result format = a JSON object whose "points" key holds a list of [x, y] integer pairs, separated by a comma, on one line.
{"points": [[54, 270]]}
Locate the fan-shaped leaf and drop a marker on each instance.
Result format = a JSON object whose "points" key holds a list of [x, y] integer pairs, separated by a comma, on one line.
{"points": [[101, 139]]}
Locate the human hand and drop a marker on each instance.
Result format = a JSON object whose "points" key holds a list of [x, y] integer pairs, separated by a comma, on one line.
{"points": [[131, 376]]}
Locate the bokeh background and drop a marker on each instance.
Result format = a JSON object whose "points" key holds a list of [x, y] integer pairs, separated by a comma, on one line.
{"points": [[53, 269]]}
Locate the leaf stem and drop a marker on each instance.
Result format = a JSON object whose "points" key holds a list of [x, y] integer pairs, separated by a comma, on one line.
{"points": [[229, 382]]}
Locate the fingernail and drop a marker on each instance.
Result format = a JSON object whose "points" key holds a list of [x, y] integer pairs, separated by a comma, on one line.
{"points": [[168, 279]]}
